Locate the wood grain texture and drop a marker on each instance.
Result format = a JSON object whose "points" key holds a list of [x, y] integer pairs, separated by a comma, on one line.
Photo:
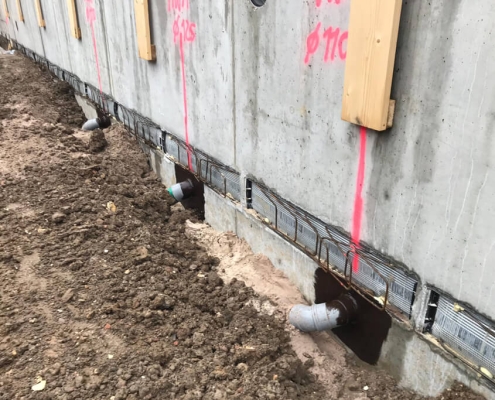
{"points": [[147, 51], [19, 11], [74, 23], [39, 13], [373, 32]]}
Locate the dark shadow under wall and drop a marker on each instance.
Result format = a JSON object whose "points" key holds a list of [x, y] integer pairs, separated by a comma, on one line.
{"points": [[366, 335], [197, 200]]}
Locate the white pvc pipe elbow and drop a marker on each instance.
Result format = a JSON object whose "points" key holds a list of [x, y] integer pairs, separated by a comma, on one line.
{"points": [[313, 318], [324, 316], [91, 125]]}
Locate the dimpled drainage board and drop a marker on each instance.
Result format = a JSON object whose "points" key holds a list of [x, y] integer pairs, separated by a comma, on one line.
{"points": [[465, 332]]}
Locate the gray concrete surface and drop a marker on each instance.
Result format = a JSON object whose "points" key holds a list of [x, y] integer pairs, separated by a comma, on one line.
{"points": [[219, 213], [163, 167], [87, 107], [255, 105], [420, 366]]}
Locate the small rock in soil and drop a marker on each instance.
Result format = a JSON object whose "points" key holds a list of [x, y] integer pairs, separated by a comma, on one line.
{"points": [[58, 217], [214, 279], [162, 303], [68, 295], [141, 255]]}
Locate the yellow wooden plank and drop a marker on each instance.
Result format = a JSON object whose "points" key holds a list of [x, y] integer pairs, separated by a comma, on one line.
{"points": [[6, 9], [371, 46], [147, 51], [74, 23], [19, 11], [39, 13]]}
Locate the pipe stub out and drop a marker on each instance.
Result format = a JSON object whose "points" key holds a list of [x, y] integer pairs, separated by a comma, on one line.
{"points": [[181, 190], [97, 123], [324, 316], [91, 125]]}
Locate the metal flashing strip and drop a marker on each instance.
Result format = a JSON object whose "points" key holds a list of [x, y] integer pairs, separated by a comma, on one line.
{"points": [[333, 249], [221, 178], [466, 332]]}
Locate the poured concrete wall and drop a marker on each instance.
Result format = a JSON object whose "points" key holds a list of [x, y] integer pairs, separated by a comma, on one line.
{"points": [[259, 102]]}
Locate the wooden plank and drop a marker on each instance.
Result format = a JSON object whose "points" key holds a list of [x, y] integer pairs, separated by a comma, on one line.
{"points": [[6, 9], [39, 13], [147, 51], [74, 23], [19, 11], [371, 46]]}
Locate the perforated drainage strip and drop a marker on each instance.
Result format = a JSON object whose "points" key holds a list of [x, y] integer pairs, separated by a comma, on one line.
{"points": [[462, 332]]}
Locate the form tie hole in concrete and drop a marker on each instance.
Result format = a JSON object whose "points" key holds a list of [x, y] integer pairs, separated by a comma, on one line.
{"points": [[258, 3]]}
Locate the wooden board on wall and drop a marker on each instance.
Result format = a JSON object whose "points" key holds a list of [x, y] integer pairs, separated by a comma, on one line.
{"points": [[6, 9], [147, 51], [74, 23], [371, 46], [19, 11], [39, 13]]}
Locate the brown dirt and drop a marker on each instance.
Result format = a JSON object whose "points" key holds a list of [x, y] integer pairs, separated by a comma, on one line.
{"points": [[103, 294]]}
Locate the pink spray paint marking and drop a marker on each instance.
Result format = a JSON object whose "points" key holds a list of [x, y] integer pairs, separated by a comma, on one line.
{"points": [[358, 199], [318, 2], [312, 43], [184, 95], [185, 28], [90, 12], [183, 31], [334, 38], [90, 19], [177, 5]]}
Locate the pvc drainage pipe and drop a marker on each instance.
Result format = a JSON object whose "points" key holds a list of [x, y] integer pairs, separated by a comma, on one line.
{"points": [[324, 316], [92, 124], [181, 190]]}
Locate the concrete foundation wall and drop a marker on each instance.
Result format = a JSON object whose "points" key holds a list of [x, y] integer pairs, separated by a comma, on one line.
{"points": [[258, 101]]}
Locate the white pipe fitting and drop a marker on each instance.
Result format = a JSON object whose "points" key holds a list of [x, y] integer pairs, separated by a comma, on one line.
{"points": [[317, 317], [324, 316], [95, 123], [181, 190], [91, 125]]}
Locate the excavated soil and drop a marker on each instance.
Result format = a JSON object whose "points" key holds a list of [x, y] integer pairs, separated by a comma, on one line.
{"points": [[104, 295]]}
